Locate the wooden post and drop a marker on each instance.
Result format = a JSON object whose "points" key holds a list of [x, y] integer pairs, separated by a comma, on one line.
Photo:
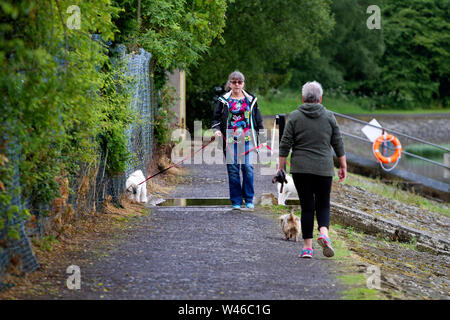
{"points": [[178, 80]]}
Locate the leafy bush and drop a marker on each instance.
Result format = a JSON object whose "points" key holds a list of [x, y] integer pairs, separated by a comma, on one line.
{"points": [[58, 98], [65, 102], [165, 116]]}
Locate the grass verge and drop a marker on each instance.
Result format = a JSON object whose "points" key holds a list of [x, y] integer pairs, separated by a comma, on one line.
{"points": [[286, 101], [353, 273]]}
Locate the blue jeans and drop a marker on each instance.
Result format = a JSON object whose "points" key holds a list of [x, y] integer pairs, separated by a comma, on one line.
{"points": [[238, 191]]}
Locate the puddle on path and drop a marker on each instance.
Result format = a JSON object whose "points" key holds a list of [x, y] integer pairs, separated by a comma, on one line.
{"points": [[183, 202]]}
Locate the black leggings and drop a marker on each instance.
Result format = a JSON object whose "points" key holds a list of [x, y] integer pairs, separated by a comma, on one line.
{"points": [[314, 195]]}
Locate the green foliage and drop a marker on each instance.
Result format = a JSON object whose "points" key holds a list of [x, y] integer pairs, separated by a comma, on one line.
{"points": [[357, 290], [9, 214], [404, 64], [280, 209], [348, 55], [260, 39], [46, 243], [116, 118], [416, 64], [57, 98], [65, 102], [176, 32], [341, 101], [165, 116]]}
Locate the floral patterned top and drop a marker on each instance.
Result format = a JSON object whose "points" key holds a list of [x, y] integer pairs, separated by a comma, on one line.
{"points": [[239, 117]]}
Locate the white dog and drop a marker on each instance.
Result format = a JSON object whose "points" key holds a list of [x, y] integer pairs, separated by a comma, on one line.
{"points": [[136, 191], [288, 189]]}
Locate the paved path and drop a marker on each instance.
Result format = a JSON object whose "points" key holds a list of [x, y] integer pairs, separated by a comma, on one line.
{"points": [[207, 253]]}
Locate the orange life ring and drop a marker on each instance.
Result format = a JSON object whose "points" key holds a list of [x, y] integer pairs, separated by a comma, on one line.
{"points": [[388, 138]]}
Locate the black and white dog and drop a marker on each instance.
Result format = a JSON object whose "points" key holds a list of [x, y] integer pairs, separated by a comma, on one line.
{"points": [[285, 186]]}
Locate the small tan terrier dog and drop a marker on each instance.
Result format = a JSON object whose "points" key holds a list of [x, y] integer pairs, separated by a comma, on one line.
{"points": [[290, 224]]}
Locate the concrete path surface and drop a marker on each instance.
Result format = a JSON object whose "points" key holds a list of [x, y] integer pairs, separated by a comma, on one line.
{"points": [[207, 253]]}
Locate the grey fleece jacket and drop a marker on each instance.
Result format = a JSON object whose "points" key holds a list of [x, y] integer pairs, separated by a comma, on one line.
{"points": [[311, 132]]}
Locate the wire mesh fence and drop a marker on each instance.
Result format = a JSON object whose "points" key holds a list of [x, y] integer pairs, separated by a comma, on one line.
{"points": [[15, 253], [91, 186], [140, 135]]}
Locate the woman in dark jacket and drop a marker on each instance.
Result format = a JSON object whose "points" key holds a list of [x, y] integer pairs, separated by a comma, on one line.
{"points": [[238, 120], [312, 132]]}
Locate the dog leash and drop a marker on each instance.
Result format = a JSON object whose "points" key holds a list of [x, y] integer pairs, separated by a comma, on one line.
{"points": [[244, 153], [254, 148], [203, 147], [190, 156]]}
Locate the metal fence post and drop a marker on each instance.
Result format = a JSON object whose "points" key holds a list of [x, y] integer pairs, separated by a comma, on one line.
{"points": [[447, 163]]}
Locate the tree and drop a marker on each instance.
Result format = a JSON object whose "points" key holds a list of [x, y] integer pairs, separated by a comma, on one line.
{"points": [[348, 57], [57, 98], [260, 39], [416, 63], [175, 32]]}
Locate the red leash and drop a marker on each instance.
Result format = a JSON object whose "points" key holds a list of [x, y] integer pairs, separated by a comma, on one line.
{"points": [[243, 153], [203, 147], [190, 156], [254, 148]]}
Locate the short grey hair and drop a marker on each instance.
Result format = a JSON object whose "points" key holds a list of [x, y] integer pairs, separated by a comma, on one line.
{"points": [[312, 91], [235, 75]]}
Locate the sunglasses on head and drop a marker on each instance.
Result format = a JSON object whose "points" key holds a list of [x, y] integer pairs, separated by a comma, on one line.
{"points": [[237, 82]]}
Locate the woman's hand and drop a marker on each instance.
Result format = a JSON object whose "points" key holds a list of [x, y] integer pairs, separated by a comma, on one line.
{"points": [[217, 133], [281, 164], [342, 173]]}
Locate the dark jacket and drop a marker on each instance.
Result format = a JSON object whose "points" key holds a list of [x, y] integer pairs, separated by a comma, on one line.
{"points": [[312, 132], [220, 116]]}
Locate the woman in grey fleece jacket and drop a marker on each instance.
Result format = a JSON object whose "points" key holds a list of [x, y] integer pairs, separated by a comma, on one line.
{"points": [[312, 132]]}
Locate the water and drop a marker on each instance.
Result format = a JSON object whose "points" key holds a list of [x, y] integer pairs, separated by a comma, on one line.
{"points": [[432, 128], [406, 162], [183, 202]]}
